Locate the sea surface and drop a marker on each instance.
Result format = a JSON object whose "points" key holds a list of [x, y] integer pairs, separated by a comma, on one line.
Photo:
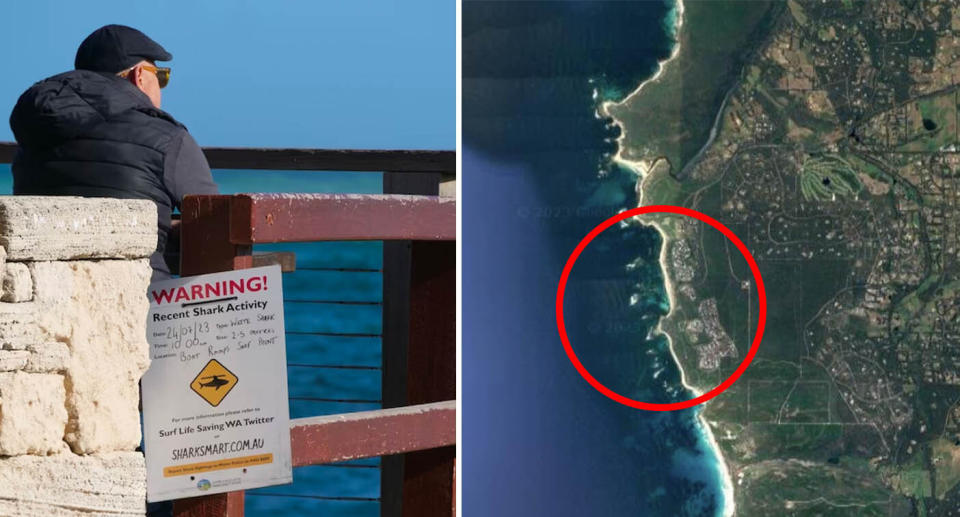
{"points": [[347, 489], [351, 488], [537, 176]]}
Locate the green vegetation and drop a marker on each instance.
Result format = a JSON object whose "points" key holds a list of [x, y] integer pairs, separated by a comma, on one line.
{"points": [[797, 12], [808, 402], [931, 123], [913, 478], [731, 405], [685, 99], [812, 490], [827, 34], [753, 75], [766, 398], [873, 171], [795, 440], [945, 457], [828, 177], [663, 187], [916, 305]]}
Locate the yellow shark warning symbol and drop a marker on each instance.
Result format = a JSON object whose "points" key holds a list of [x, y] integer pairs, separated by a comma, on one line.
{"points": [[214, 382]]}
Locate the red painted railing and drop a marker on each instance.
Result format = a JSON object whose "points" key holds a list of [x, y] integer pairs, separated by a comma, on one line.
{"points": [[218, 234]]}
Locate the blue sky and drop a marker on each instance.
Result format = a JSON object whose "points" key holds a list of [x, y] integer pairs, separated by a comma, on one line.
{"points": [[377, 74]]}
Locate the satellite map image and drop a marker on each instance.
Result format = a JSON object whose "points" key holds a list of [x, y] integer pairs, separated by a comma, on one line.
{"points": [[825, 134], [834, 158]]}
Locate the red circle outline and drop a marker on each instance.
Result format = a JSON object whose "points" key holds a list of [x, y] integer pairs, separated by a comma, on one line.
{"points": [[761, 294]]}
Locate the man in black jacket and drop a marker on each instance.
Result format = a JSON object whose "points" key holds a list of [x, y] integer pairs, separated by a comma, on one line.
{"points": [[98, 131]]}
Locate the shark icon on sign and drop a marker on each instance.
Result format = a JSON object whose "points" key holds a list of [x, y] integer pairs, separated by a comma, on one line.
{"points": [[211, 378]]}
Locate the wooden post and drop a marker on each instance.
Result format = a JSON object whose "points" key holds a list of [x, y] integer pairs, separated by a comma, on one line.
{"points": [[205, 237], [229, 504], [206, 248], [431, 371], [419, 319]]}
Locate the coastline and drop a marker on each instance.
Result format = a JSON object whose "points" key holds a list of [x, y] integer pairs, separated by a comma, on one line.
{"points": [[643, 168], [729, 505]]}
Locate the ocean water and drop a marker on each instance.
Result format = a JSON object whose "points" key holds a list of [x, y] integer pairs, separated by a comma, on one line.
{"points": [[536, 178], [350, 489]]}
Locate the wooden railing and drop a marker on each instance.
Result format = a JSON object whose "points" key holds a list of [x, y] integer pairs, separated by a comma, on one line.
{"points": [[415, 432], [374, 160]]}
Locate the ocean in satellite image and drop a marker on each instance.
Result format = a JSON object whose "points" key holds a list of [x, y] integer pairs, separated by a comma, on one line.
{"points": [[825, 134], [540, 172]]}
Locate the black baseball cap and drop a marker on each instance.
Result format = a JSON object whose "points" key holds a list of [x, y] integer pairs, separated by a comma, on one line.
{"points": [[113, 48]]}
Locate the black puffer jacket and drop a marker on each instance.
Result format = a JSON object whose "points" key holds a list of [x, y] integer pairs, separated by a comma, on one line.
{"points": [[90, 134]]}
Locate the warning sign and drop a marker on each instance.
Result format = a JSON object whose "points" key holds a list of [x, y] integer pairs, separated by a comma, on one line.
{"points": [[214, 382], [215, 409]]}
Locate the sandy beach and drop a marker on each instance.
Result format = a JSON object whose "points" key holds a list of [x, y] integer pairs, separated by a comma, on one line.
{"points": [[642, 168]]}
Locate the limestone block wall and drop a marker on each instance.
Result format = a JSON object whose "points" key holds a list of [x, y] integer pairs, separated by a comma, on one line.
{"points": [[73, 309]]}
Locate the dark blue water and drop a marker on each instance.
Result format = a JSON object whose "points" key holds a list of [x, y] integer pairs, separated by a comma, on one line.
{"points": [[348, 489], [537, 439], [356, 485]]}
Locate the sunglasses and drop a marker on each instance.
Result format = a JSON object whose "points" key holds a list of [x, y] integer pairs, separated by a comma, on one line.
{"points": [[162, 73]]}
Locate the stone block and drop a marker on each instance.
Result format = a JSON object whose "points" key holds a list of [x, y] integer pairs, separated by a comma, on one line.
{"points": [[46, 357], [32, 413], [34, 228], [71, 485], [52, 282], [98, 309], [12, 360], [18, 325], [17, 285]]}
